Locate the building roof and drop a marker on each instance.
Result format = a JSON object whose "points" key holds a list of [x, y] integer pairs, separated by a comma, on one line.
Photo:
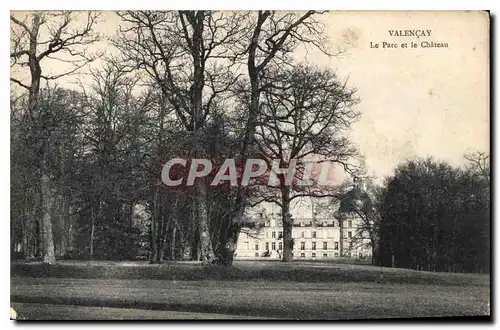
{"points": [[298, 222], [354, 199]]}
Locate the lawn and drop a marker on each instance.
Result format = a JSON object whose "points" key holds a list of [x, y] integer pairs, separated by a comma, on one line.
{"points": [[300, 290]]}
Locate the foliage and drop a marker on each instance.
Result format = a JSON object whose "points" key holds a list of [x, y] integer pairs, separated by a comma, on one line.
{"points": [[435, 217]]}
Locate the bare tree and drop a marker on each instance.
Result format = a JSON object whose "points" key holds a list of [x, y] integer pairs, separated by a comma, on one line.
{"points": [[182, 54], [480, 163], [304, 115], [362, 203], [270, 41], [194, 58], [37, 37]]}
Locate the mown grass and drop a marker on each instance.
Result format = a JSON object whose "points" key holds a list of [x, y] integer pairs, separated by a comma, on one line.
{"points": [[298, 290], [289, 300], [244, 271]]}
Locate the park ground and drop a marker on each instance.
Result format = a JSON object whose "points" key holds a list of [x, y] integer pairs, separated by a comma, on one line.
{"points": [[247, 290]]}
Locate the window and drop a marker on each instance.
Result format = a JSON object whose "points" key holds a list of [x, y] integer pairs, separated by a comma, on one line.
{"points": [[314, 245], [267, 246], [280, 246], [325, 255], [333, 223], [314, 255], [349, 224], [302, 255], [302, 234], [256, 246], [349, 234], [302, 245], [313, 234], [273, 246], [336, 246], [273, 234], [280, 234], [336, 254], [256, 254], [325, 245]]}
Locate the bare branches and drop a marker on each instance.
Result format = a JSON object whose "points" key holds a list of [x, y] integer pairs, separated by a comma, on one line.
{"points": [[305, 114], [20, 83], [21, 24], [182, 53], [51, 33], [479, 161], [62, 38]]}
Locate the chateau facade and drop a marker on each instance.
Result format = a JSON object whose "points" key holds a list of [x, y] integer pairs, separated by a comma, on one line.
{"points": [[314, 238]]}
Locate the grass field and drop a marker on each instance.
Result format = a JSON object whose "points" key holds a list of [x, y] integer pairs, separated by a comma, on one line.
{"points": [[300, 290]]}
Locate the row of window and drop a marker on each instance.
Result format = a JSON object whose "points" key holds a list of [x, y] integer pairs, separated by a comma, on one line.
{"points": [[303, 255], [273, 246], [302, 235], [349, 224], [302, 246], [273, 234], [325, 245]]}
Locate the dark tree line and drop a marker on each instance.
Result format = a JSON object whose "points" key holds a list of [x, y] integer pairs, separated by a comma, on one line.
{"points": [[436, 217]]}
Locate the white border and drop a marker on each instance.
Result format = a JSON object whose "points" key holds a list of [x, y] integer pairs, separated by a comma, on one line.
{"points": [[190, 4]]}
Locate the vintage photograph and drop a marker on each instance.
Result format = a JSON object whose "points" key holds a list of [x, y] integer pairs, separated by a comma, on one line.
{"points": [[255, 165]]}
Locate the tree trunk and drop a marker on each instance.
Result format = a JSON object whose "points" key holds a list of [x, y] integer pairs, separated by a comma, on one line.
{"points": [[49, 256], [207, 254], [44, 204], [92, 228], [130, 216], [172, 243], [153, 229], [164, 233], [197, 121], [287, 226], [227, 250], [26, 245], [66, 234], [341, 242], [194, 233], [27, 228]]}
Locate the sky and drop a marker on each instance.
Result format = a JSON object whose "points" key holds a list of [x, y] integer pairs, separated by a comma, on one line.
{"points": [[415, 102]]}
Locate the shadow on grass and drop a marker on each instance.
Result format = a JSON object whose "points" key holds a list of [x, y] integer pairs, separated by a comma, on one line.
{"points": [[244, 272]]}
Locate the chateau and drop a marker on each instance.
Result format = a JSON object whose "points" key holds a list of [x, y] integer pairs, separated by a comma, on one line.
{"points": [[314, 238]]}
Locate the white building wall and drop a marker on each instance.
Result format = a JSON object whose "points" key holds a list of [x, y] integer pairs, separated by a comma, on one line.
{"points": [[267, 243], [303, 212]]}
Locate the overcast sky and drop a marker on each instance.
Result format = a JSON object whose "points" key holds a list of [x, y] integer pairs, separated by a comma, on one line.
{"points": [[417, 102]]}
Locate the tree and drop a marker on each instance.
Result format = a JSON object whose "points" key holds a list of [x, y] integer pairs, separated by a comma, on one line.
{"points": [[46, 35], [270, 38], [110, 176], [191, 57], [435, 217], [479, 162], [362, 202], [304, 115], [181, 53]]}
